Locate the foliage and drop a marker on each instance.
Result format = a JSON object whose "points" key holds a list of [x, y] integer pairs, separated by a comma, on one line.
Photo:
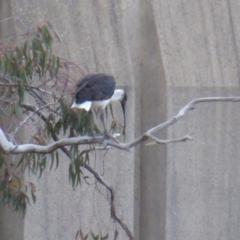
{"points": [[90, 236], [36, 89]]}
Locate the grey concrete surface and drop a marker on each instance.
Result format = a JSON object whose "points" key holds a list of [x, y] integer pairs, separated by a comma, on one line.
{"points": [[11, 225], [165, 53], [202, 179]]}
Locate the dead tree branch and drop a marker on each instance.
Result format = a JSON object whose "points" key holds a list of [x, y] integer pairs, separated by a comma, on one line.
{"points": [[9, 148]]}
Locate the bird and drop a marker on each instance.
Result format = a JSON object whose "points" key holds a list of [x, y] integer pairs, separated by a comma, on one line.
{"points": [[96, 91]]}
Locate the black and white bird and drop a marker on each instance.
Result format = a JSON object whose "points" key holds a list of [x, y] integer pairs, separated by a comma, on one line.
{"points": [[96, 91]]}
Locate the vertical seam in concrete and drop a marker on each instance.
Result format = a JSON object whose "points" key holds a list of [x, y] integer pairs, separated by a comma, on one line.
{"points": [[152, 176], [234, 39], [206, 38]]}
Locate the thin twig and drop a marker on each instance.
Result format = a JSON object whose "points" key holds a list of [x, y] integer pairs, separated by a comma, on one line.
{"points": [[162, 141], [30, 116], [112, 200], [5, 19], [190, 106]]}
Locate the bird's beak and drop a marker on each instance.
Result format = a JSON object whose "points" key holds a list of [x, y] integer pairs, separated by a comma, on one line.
{"points": [[123, 102]]}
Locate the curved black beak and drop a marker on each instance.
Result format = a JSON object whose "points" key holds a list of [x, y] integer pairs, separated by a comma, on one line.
{"points": [[123, 102]]}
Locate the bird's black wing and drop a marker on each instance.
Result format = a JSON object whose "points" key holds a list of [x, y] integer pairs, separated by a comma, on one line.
{"points": [[95, 87]]}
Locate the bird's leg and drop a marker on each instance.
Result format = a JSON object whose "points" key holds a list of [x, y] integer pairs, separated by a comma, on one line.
{"points": [[106, 134]]}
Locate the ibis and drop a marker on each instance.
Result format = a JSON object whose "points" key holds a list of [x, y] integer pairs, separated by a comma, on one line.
{"points": [[96, 91]]}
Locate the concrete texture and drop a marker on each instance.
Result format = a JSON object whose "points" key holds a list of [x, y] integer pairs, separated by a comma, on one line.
{"points": [[11, 225], [165, 53]]}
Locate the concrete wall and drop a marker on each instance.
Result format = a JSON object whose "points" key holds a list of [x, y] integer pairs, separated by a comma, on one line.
{"points": [[165, 53], [11, 225]]}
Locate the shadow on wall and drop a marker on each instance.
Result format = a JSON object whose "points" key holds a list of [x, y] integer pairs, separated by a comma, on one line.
{"points": [[153, 111]]}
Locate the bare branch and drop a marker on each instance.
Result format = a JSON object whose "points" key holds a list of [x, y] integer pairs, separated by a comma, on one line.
{"points": [[175, 140], [41, 90], [32, 108], [88, 150], [5, 19], [9, 147], [112, 200], [190, 106]]}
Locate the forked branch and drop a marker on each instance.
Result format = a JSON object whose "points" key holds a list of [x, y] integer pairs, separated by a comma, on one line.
{"points": [[10, 148]]}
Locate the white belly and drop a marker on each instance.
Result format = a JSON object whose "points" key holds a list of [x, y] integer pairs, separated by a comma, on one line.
{"points": [[86, 105], [91, 105]]}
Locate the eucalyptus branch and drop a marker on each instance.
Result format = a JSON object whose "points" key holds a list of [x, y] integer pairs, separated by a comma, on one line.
{"points": [[10, 148], [102, 181], [88, 150], [99, 178], [30, 108], [30, 116], [112, 200], [36, 96], [191, 106], [40, 89], [181, 113]]}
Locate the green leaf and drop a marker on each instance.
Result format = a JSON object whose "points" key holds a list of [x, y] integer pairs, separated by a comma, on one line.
{"points": [[94, 237], [52, 160], [23, 77], [20, 161], [47, 38], [29, 67], [17, 110], [58, 126], [35, 165], [25, 49], [33, 196], [42, 165], [43, 62], [73, 153], [58, 65], [19, 54], [87, 158], [1, 161], [57, 160], [21, 91], [49, 127], [27, 200], [104, 238], [73, 179]]}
